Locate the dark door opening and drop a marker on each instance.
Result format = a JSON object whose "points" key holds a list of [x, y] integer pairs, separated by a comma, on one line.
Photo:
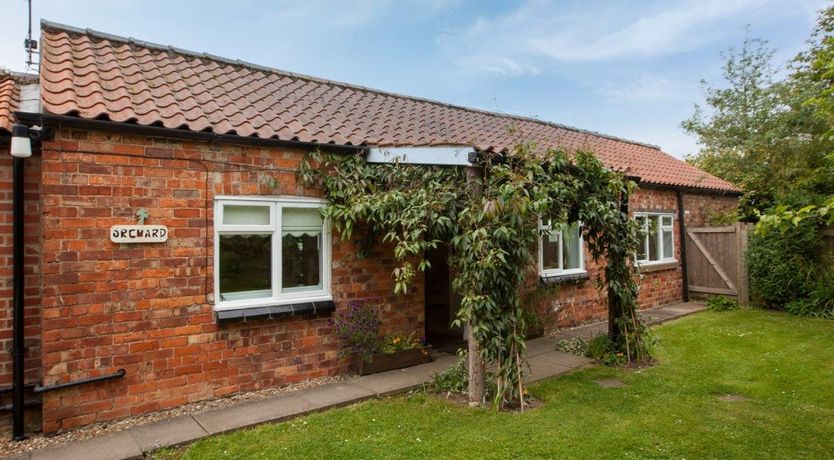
{"points": [[441, 304]]}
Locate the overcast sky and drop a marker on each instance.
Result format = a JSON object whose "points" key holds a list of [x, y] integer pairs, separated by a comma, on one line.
{"points": [[626, 68]]}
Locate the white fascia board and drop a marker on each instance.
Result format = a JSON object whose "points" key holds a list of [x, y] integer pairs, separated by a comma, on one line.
{"points": [[439, 156], [30, 98]]}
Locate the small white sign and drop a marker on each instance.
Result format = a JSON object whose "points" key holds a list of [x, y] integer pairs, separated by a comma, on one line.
{"points": [[138, 233]]}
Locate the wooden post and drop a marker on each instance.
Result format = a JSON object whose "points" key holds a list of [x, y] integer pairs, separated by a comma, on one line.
{"points": [[742, 230], [475, 365]]}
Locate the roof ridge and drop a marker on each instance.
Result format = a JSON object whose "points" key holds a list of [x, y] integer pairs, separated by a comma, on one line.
{"points": [[132, 41], [20, 77]]}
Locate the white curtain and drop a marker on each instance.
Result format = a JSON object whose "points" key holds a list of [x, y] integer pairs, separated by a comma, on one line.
{"points": [[301, 221]]}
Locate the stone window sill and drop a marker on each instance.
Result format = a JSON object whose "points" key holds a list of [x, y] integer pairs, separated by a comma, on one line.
{"points": [[649, 268], [564, 279], [274, 312]]}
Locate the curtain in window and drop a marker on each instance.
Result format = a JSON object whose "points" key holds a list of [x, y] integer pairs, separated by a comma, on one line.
{"points": [[301, 230], [571, 248]]}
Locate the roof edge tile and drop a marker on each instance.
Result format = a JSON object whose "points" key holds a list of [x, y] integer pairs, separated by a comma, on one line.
{"points": [[237, 62]]}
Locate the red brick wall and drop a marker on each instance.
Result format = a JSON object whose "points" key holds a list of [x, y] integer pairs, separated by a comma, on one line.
{"points": [[145, 307], [698, 207], [32, 254], [148, 308], [581, 302]]}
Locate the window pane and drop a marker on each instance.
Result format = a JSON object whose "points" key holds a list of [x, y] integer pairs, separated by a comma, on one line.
{"points": [[667, 221], [301, 234], [299, 221], [235, 214], [654, 247], [641, 247], [668, 250], [550, 251], [245, 267], [571, 248]]}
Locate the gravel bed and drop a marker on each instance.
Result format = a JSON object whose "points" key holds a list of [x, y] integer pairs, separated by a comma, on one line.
{"points": [[39, 441]]}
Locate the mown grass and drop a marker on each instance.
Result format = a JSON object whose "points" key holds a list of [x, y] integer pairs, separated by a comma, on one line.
{"points": [[783, 365]]}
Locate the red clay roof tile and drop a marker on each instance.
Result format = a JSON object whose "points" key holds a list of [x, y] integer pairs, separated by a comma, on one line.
{"points": [[92, 75], [9, 100], [10, 83]]}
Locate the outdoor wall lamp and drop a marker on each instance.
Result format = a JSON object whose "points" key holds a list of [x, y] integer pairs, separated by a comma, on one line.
{"points": [[21, 143]]}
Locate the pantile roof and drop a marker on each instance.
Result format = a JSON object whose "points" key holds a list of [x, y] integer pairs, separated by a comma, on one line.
{"points": [[10, 95], [9, 100], [93, 75]]}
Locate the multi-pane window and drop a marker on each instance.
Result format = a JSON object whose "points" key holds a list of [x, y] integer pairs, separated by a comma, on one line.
{"points": [[658, 240], [270, 251], [560, 250]]}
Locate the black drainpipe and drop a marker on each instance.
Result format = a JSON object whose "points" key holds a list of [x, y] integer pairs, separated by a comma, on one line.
{"points": [[682, 231], [18, 348]]}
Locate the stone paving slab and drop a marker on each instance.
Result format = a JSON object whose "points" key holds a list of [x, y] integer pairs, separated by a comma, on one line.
{"points": [[551, 364], [544, 361], [167, 433], [253, 413], [116, 446], [385, 383], [336, 394]]}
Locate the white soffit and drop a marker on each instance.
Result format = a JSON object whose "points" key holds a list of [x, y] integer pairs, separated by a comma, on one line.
{"points": [[440, 156]]}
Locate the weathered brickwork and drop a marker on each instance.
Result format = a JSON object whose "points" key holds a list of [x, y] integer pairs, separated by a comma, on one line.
{"points": [[581, 302], [700, 207], [145, 307], [94, 306], [32, 252]]}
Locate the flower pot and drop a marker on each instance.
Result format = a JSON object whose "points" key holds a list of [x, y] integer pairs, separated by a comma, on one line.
{"points": [[391, 361]]}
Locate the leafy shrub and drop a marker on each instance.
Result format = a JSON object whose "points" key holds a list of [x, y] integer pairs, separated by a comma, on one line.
{"points": [[576, 346], [779, 262], [602, 349], [820, 302], [358, 329], [721, 217], [721, 303], [531, 321], [454, 379], [823, 293]]}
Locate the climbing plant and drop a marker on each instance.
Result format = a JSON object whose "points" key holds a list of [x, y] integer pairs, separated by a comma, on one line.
{"points": [[490, 215]]}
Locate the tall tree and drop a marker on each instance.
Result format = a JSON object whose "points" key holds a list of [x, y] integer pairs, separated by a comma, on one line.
{"points": [[760, 133]]}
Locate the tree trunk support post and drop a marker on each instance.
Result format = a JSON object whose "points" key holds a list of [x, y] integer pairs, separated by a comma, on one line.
{"points": [[614, 309], [474, 364]]}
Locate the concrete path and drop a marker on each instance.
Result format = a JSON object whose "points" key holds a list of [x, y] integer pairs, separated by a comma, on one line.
{"points": [[137, 441]]}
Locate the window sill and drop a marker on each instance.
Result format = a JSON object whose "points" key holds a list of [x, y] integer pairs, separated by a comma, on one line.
{"points": [[563, 279], [658, 266], [273, 312]]}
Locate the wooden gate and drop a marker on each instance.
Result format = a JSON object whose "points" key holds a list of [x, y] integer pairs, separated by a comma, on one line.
{"points": [[715, 260]]}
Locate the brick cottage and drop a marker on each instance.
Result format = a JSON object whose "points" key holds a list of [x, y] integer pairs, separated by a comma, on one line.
{"points": [[237, 293]]}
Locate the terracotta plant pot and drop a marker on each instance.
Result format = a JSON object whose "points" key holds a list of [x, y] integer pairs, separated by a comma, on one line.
{"points": [[391, 361]]}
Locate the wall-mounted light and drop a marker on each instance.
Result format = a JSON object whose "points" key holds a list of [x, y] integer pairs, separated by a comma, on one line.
{"points": [[21, 143]]}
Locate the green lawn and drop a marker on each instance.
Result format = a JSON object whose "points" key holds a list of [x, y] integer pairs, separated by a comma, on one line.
{"points": [[783, 365]]}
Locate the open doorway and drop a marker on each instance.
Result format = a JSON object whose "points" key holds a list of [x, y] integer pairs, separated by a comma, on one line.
{"points": [[441, 303]]}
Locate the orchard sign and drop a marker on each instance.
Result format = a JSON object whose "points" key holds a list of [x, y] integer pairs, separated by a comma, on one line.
{"points": [[140, 233]]}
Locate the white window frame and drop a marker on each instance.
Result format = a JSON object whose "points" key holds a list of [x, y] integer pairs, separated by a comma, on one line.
{"points": [[664, 259], [556, 272], [276, 204]]}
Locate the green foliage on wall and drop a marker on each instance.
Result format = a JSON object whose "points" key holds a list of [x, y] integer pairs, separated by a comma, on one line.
{"points": [[491, 221]]}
